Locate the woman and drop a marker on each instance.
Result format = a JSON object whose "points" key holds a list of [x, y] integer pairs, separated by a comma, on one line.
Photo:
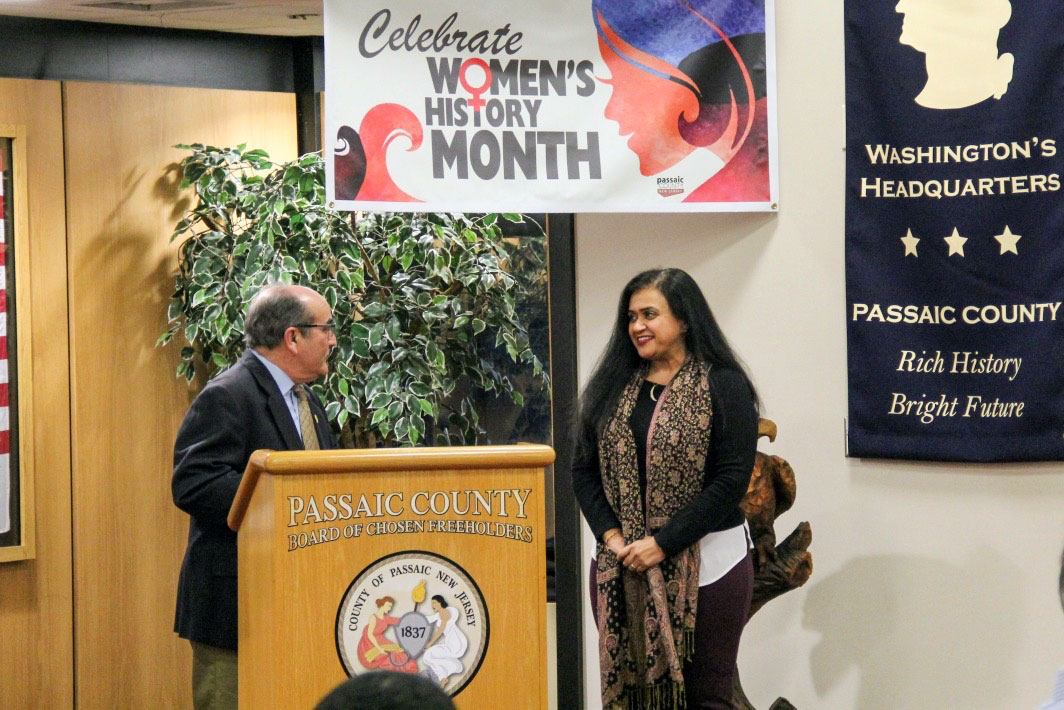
{"points": [[375, 650], [444, 651], [665, 448]]}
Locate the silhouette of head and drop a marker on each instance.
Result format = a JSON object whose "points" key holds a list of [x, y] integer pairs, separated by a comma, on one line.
{"points": [[960, 41]]}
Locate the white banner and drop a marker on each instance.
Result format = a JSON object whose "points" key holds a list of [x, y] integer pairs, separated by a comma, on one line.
{"points": [[550, 106]]}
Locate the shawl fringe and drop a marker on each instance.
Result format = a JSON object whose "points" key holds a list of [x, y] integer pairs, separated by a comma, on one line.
{"points": [[666, 695]]}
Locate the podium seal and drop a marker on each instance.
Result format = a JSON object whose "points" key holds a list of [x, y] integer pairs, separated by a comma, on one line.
{"points": [[414, 612]]}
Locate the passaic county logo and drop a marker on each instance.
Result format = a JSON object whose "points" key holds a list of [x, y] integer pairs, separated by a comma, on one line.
{"points": [[414, 612]]}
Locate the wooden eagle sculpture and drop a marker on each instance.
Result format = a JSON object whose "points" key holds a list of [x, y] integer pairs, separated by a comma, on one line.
{"points": [[777, 568]]}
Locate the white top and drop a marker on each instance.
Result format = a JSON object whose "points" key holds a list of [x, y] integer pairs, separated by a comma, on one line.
{"points": [[720, 551], [1056, 701]]}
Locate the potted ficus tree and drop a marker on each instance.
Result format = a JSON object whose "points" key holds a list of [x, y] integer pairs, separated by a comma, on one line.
{"points": [[427, 306]]}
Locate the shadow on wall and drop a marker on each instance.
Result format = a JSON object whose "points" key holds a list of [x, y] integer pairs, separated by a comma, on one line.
{"points": [[917, 631]]}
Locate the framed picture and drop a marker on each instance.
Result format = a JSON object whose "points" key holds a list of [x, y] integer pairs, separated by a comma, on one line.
{"points": [[16, 422]]}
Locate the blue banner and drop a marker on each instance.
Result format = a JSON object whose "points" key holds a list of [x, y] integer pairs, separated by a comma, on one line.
{"points": [[955, 229]]}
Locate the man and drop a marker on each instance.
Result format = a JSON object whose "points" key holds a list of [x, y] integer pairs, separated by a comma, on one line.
{"points": [[258, 403]]}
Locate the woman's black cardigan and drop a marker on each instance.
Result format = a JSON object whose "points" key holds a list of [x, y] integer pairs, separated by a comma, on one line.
{"points": [[733, 443]]}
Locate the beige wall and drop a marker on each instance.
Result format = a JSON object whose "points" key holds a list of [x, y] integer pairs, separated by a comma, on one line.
{"points": [[36, 629], [123, 202], [934, 585], [97, 603]]}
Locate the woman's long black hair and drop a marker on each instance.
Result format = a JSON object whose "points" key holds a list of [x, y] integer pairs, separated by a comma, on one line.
{"points": [[703, 340]]}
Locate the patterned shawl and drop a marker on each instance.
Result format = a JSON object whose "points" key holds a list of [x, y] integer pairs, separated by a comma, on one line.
{"points": [[646, 621]]}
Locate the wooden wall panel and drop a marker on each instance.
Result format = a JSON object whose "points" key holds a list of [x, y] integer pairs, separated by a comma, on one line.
{"points": [[36, 625], [123, 202]]}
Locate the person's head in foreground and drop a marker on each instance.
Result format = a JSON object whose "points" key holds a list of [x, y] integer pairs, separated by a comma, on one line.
{"points": [[386, 690]]}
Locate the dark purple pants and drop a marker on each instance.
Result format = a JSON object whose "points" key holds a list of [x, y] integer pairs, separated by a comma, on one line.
{"points": [[722, 612]]}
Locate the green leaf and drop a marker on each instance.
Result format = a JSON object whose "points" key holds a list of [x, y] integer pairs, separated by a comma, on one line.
{"points": [[359, 279], [478, 326], [342, 368], [376, 309], [376, 335], [351, 405], [394, 329], [345, 279]]}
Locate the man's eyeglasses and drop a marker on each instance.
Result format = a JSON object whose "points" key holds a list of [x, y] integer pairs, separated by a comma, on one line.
{"points": [[329, 327]]}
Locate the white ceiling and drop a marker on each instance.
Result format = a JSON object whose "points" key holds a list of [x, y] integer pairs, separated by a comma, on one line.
{"points": [[274, 17]]}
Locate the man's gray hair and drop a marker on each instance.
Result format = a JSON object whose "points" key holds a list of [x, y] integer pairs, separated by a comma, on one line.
{"points": [[273, 310]]}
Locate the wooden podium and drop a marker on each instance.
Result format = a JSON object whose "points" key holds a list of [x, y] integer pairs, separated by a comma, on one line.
{"points": [[427, 560]]}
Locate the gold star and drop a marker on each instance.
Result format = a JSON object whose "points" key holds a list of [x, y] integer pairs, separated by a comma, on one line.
{"points": [[910, 243], [1008, 240], [956, 243]]}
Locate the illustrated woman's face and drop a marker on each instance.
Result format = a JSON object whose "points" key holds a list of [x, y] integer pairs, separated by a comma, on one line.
{"points": [[646, 107], [655, 332], [436, 605], [386, 607]]}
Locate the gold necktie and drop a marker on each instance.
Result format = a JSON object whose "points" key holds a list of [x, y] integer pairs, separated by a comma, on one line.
{"points": [[306, 419]]}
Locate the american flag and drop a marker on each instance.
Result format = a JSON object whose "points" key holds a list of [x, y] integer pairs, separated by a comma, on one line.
{"points": [[5, 428]]}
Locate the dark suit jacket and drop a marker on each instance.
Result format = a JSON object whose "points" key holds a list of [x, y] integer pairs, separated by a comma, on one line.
{"points": [[238, 412]]}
